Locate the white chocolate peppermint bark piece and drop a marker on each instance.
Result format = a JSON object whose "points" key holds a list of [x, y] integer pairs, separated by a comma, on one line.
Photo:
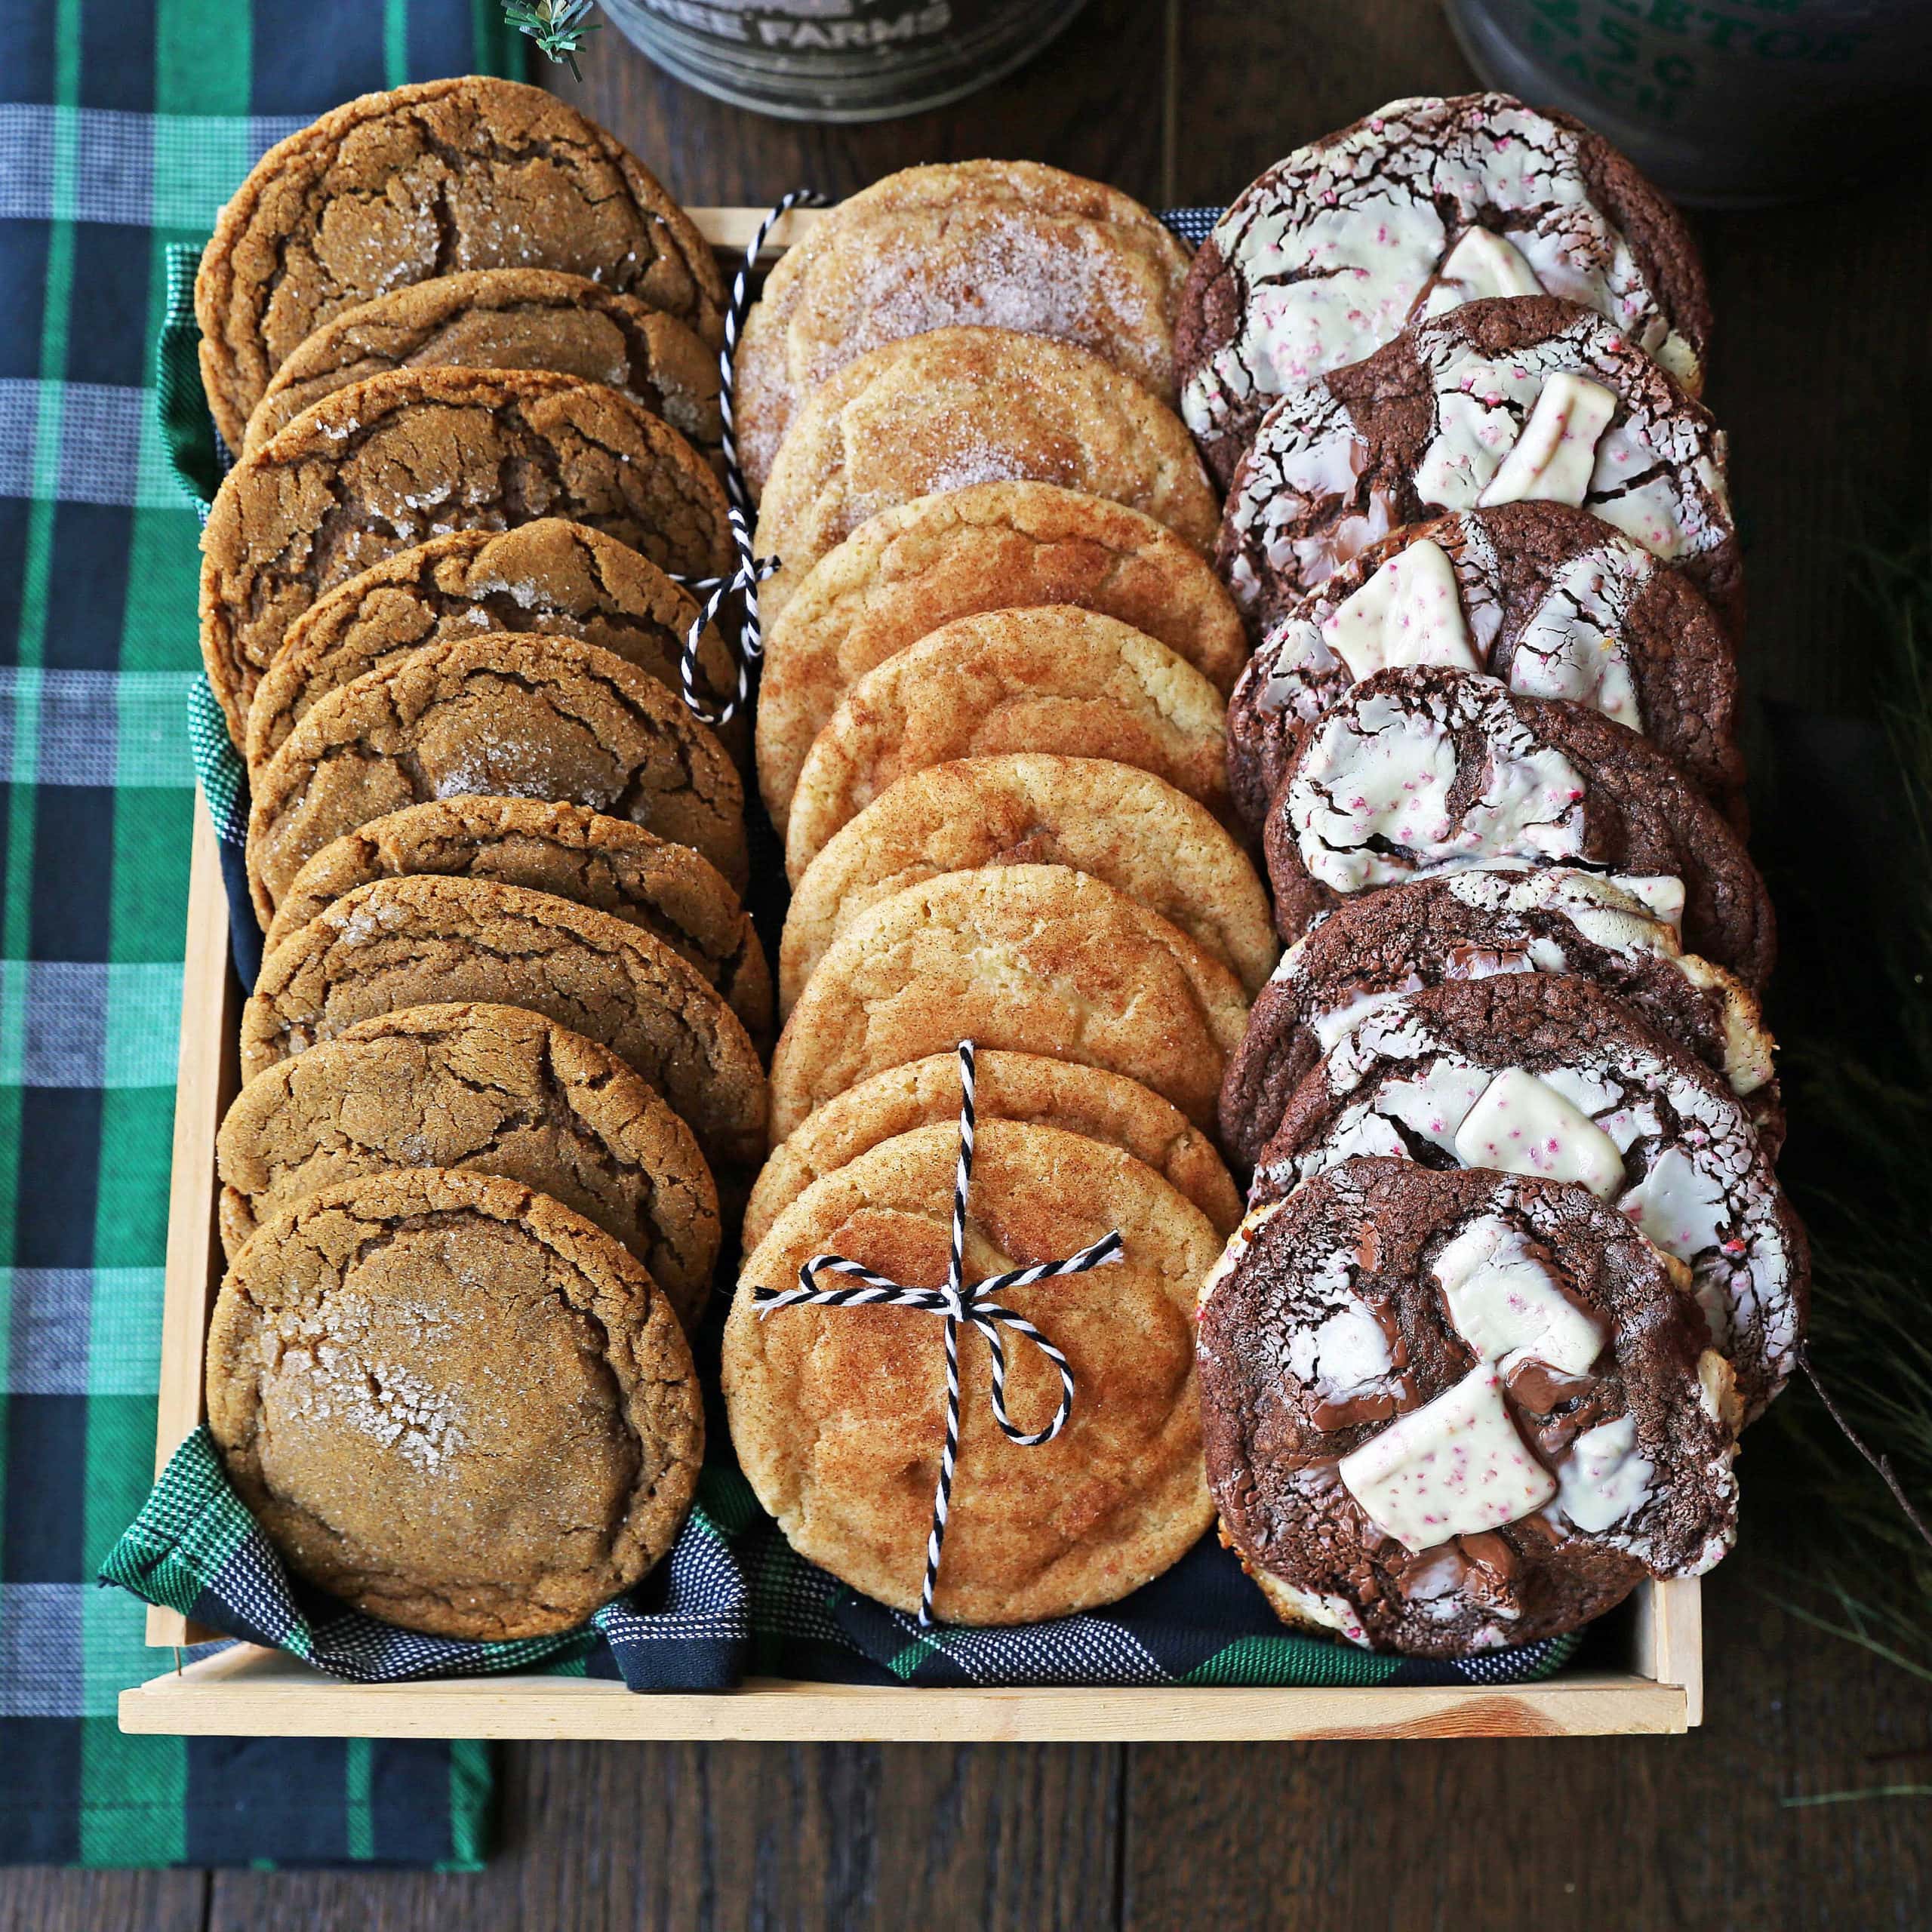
{"points": [[1525, 1419], [1610, 1106], [1425, 206]]}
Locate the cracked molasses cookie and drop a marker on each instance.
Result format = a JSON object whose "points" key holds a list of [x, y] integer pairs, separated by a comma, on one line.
{"points": [[397, 943], [1373, 951], [494, 1090], [991, 547], [1444, 1412], [383, 467], [611, 864], [453, 1403], [1420, 207], [1135, 831], [1547, 597], [1538, 1073], [1056, 679], [550, 578], [506, 318], [1418, 770], [838, 1414], [494, 716], [1008, 244], [447, 175], [960, 406], [1496, 402], [1035, 959], [1106, 1107]]}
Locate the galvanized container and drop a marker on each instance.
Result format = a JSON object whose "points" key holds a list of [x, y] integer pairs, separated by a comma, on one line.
{"points": [[840, 60], [1724, 102]]}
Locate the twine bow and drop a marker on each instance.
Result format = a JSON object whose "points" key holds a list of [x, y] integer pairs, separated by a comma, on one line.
{"points": [[962, 1303], [751, 571]]}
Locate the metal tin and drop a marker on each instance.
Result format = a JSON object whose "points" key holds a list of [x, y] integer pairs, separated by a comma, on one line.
{"points": [[1728, 103], [840, 60]]}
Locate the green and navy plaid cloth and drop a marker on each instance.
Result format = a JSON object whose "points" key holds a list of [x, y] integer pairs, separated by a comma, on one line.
{"points": [[124, 126]]}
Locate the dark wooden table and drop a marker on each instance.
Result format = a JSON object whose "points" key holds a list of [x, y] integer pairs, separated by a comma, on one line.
{"points": [[1821, 374]]}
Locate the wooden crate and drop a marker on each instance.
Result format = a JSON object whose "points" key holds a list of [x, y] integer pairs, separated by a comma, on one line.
{"points": [[246, 1691]]}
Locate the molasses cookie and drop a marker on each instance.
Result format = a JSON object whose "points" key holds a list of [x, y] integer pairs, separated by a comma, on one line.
{"points": [[1010, 244], [506, 318], [453, 1403], [990, 547], [1547, 597], [549, 577], [1420, 207], [1375, 949], [495, 1090], [1106, 1107], [383, 467], [393, 189], [1538, 1073], [1125, 827], [1444, 1412], [1418, 770], [1057, 679], [397, 942], [1034, 959], [838, 1414], [1496, 402], [609, 863], [494, 716], [960, 406]]}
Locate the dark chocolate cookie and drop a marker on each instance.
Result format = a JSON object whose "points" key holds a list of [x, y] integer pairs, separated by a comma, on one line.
{"points": [[1545, 597], [1374, 950], [392, 188], [1496, 402], [1424, 771], [1443, 1413], [1541, 1073], [1423, 206]]}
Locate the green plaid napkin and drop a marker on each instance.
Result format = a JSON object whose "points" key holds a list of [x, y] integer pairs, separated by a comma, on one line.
{"points": [[124, 125]]}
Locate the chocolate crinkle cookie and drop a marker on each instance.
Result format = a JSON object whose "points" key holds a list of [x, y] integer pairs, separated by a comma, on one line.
{"points": [[1443, 1413], [1541, 1074], [1546, 597], [1376, 950], [1424, 206], [1499, 401], [1418, 771]]}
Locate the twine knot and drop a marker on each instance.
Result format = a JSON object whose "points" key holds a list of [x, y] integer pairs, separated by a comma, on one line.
{"points": [[961, 1304]]}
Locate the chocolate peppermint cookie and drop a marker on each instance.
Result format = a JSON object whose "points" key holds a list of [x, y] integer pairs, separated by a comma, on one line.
{"points": [[1443, 1413], [1420, 207], [1538, 1073], [387, 465], [1547, 597], [1496, 402], [393, 189], [1373, 951], [1423, 770]]}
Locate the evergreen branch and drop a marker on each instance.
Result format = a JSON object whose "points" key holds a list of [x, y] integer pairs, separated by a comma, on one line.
{"points": [[558, 26]]}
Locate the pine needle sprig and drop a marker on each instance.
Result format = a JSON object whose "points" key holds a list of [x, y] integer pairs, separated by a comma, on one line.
{"points": [[1865, 1184], [558, 26]]}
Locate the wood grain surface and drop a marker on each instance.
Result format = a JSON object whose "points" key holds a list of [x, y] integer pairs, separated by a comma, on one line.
{"points": [[1819, 372]]}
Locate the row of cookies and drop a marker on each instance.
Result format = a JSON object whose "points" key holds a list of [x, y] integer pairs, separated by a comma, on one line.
{"points": [[991, 731], [1515, 1232], [501, 1056]]}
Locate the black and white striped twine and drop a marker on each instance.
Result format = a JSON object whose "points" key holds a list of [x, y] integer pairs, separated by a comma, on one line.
{"points": [[961, 1303], [750, 570]]}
